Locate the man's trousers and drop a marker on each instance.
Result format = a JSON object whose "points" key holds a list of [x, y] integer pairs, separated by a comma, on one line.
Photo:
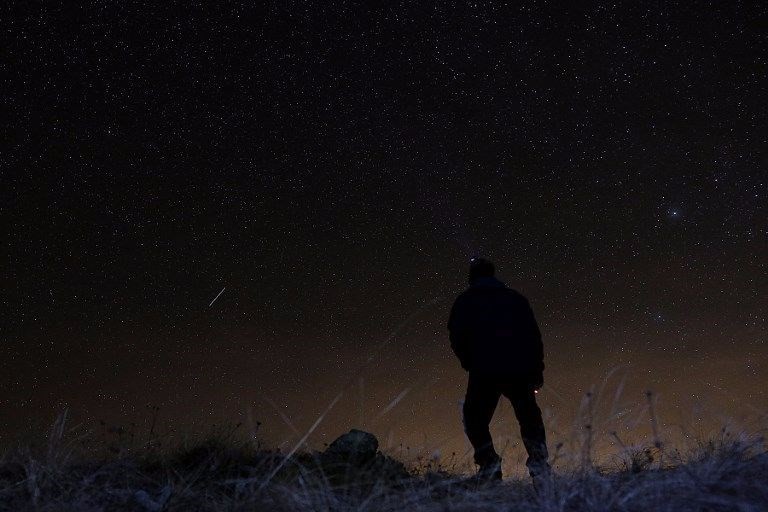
{"points": [[480, 403]]}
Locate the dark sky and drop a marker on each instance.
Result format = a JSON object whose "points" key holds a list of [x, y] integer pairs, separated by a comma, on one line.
{"points": [[333, 165]]}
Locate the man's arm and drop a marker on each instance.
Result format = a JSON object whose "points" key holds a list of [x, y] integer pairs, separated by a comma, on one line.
{"points": [[459, 335], [534, 336]]}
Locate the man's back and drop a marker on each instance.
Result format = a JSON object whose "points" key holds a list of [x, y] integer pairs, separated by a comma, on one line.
{"points": [[494, 332]]}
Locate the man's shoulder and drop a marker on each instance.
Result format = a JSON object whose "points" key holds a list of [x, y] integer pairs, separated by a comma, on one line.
{"points": [[475, 296], [478, 290], [463, 299], [460, 298]]}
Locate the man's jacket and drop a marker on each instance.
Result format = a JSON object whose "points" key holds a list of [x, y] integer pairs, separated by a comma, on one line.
{"points": [[493, 332]]}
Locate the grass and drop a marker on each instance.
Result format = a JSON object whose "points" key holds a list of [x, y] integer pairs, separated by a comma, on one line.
{"points": [[233, 472]]}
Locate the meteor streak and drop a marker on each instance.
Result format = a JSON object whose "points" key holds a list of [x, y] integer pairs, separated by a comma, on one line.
{"points": [[216, 297]]}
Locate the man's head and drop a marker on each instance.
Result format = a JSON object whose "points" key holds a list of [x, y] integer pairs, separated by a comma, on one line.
{"points": [[480, 267]]}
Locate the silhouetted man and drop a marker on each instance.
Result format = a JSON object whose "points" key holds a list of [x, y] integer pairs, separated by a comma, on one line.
{"points": [[495, 336]]}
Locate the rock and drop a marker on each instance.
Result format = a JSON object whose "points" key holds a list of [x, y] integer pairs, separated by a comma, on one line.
{"points": [[355, 446], [388, 469], [354, 457]]}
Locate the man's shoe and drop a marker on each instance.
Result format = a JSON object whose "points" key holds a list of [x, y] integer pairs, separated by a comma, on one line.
{"points": [[542, 480], [490, 472]]}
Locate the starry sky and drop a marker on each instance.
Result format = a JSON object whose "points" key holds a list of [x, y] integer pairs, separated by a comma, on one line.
{"points": [[236, 212]]}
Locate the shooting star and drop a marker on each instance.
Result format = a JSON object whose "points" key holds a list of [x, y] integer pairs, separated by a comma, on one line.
{"points": [[216, 297], [394, 402]]}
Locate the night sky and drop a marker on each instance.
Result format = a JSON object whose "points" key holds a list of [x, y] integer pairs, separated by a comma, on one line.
{"points": [[332, 166]]}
